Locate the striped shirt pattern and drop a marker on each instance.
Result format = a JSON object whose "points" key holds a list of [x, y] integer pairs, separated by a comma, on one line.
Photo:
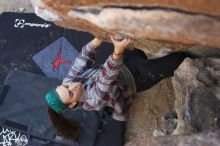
{"points": [[103, 86]]}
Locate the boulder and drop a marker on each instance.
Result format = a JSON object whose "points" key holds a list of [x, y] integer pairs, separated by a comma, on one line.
{"points": [[148, 110], [153, 24], [206, 138], [197, 89], [197, 6]]}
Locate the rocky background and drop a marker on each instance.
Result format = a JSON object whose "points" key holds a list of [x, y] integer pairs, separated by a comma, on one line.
{"points": [[180, 110]]}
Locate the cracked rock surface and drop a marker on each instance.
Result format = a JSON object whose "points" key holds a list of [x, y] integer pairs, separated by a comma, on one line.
{"points": [[197, 89]]}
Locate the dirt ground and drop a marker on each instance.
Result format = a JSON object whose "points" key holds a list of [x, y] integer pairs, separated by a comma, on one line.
{"points": [[23, 6]]}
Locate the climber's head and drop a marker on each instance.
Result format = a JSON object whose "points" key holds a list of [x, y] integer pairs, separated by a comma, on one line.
{"points": [[65, 95]]}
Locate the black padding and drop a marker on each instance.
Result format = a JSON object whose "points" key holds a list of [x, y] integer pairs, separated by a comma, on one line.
{"points": [[3, 92], [15, 125], [111, 133], [25, 110], [18, 45], [24, 104]]}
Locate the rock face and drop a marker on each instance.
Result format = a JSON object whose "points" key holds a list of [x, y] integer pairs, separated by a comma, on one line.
{"points": [[197, 88], [154, 24], [148, 110], [200, 139], [196, 84]]}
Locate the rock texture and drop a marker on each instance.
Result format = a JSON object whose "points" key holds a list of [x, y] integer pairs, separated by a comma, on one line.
{"points": [[153, 24], [198, 6], [148, 110], [200, 139], [196, 84], [197, 88], [16, 6]]}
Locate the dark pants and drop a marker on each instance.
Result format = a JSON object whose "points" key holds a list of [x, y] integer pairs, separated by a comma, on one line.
{"points": [[149, 72]]}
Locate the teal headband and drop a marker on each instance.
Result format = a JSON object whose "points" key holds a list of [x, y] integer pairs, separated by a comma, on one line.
{"points": [[54, 101]]}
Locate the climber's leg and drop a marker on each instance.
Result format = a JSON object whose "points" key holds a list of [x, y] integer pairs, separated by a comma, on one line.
{"points": [[149, 72]]}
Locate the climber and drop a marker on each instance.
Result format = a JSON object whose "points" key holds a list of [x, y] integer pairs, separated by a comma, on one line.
{"points": [[113, 84]]}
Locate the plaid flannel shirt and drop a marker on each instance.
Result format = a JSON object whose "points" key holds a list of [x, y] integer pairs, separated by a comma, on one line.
{"points": [[102, 85]]}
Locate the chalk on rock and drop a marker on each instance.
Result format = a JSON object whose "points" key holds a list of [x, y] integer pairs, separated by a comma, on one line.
{"points": [[21, 9], [158, 132]]}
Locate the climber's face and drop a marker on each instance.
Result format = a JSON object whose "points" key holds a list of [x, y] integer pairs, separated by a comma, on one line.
{"points": [[70, 93]]}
